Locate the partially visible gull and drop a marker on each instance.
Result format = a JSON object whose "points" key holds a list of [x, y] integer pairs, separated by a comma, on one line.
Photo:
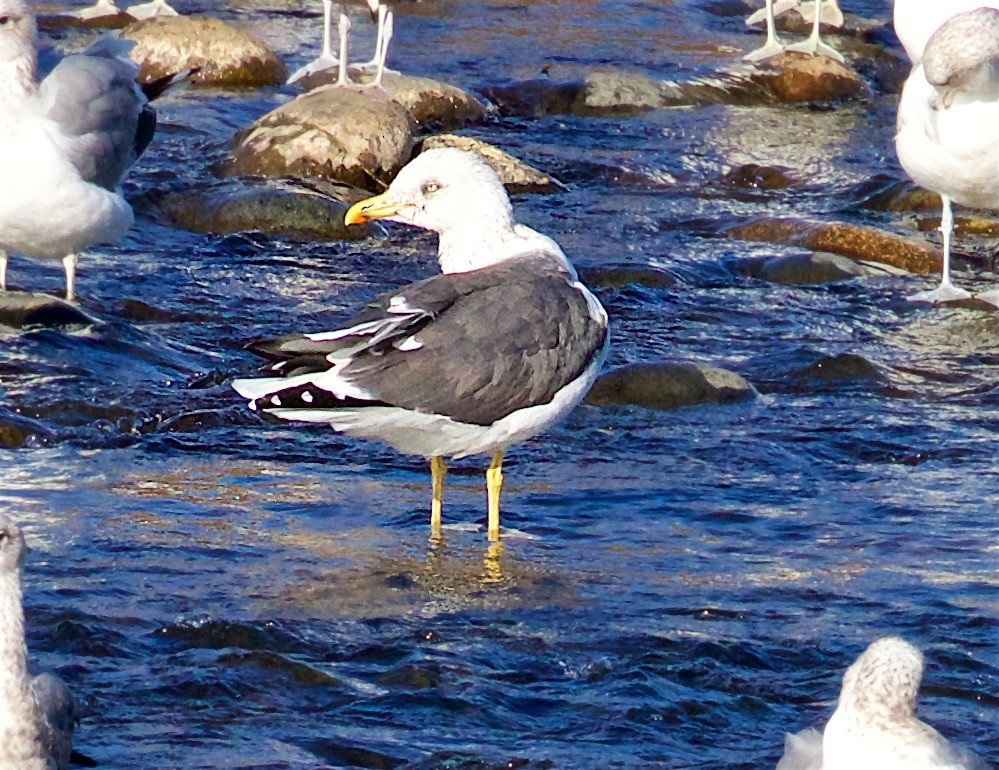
{"points": [[65, 144], [37, 716], [947, 138], [380, 15], [98, 10], [829, 13], [916, 20], [495, 350], [875, 726]]}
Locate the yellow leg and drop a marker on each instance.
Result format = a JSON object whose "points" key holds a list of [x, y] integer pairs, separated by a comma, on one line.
{"points": [[494, 482], [438, 469]]}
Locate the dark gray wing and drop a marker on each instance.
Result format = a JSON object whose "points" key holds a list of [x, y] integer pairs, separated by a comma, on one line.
{"points": [[100, 111], [57, 715], [471, 346]]}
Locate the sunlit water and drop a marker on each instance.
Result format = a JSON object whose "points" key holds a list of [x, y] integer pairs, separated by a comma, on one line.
{"points": [[679, 588]]}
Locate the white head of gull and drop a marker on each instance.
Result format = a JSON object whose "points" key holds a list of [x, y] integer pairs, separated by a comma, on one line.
{"points": [[947, 139], [37, 717], [497, 349], [875, 726], [456, 195], [64, 145], [916, 20]]}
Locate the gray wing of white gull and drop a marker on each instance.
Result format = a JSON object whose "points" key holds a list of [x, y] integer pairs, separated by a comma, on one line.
{"points": [[964, 52], [57, 716], [102, 115], [472, 346]]}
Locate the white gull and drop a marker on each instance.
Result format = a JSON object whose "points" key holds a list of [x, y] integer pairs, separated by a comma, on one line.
{"points": [[948, 125], [875, 726], [65, 144]]}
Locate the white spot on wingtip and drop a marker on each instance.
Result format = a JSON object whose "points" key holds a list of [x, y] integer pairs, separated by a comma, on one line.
{"points": [[276, 400], [307, 397]]}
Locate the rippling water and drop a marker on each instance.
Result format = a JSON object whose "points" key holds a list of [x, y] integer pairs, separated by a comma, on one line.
{"points": [[682, 587]]}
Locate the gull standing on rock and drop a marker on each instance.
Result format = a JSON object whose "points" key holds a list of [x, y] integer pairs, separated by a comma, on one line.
{"points": [[829, 13], [495, 350], [875, 726], [948, 126], [37, 716], [65, 145]]}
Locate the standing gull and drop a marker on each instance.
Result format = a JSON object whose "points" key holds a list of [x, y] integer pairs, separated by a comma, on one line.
{"points": [[947, 139], [875, 726], [380, 15], [814, 12], [37, 716], [495, 350], [65, 144]]}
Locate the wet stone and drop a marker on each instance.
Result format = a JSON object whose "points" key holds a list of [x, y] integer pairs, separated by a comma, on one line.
{"points": [[756, 177], [798, 77], [856, 242], [845, 367], [275, 208], [431, 104], [534, 98], [619, 276], [224, 55], [21, 310], [800, 269], [330, 133], [57, 22], [670, 385], [516, 175]]}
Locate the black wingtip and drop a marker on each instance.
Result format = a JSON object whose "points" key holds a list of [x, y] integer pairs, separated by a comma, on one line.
{"points": [[81, 760]]}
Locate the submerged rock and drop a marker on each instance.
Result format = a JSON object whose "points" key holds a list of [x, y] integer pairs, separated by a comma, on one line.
{"points": [[800, 269], [281, 208], [619, 276], [854, 241], [517, 176], [331, 133], [224, 55], [669, 385], [431, 104], [20, 310]]}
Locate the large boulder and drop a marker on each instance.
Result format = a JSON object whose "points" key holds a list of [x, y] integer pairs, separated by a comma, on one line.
{"points": [[432, 105], [222, 54], [669, 385], [800, 77], [278, 208], [517, 176], [331, 133]]}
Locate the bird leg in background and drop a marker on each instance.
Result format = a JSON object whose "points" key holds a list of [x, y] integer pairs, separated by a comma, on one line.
{"points": [[946, 291], [326, 60], [382, 52], [831, 14], [3, 270], [438, 470], [494, 483], [69, 265], [343, 77], [814, 44], [774, 45]]}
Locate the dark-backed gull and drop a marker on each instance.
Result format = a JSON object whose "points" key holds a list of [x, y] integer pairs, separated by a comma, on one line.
{"points": [[498, 348], [875, 726], [65, 144], [947, 138], [37, 716]]}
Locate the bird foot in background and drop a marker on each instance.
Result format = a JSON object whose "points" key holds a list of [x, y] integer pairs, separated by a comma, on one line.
{"points": [[768, 51], [992, 297], [831, 14], [150, 10], [320, 64], [370, 68], [780, 8], [817, 48], [98, 11], [945, 292]]}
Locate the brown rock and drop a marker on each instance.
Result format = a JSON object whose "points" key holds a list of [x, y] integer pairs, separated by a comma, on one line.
{"points": [[800, 77], [276, 208], [535, 98], [517, 176], [848, 240], [431, 104], [669, 385], [225, 55], [57, 22], [331, 133]]}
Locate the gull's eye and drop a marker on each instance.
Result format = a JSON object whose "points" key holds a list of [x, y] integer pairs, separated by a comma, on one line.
{"points": [[431, 187], [4, 20]]}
